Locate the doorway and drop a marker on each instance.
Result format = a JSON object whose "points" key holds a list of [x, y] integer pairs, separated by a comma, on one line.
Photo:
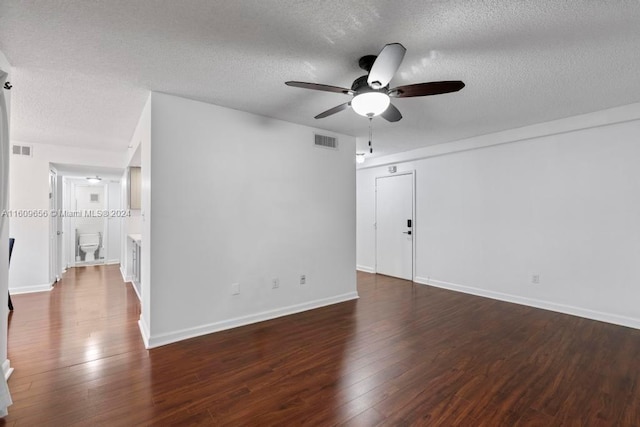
{"points": [[395, 226], [55, 230], [88, 224]]}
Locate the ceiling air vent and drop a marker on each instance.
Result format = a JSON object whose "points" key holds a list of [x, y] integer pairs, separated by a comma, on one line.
{"points": [[326, 141], [21, 150]]}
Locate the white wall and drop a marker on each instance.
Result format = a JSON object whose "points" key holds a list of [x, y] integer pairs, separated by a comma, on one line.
{"points": [[564, 206], [4, 237], [145, 213], [133, 224], [239, 198], [29, 190], [114, 226], [87, 224]]}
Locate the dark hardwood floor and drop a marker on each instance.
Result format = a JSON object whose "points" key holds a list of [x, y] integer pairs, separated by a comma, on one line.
{"points": [[402, 354]]}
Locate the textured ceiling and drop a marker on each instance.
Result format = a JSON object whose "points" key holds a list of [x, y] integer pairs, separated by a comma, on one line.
{"points": [[83, 69]]}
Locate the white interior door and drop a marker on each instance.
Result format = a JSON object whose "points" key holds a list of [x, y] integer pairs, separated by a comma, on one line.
{"points": [[53, 229], [394, 226], [60, 265]]}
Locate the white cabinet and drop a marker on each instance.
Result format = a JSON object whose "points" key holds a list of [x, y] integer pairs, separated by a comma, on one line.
{"points": [[136, 264], [134, 258]]}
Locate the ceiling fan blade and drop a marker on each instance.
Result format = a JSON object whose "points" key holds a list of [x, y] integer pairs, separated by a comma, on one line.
{"points": [[386, 65], [315, 86], [391, 114], [333, 110], [424, 89]]}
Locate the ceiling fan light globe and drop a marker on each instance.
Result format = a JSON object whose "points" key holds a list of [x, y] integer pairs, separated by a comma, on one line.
{"points": [[370, 104]]}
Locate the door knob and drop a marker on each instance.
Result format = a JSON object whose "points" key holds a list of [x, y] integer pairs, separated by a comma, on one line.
{"points": [[407, 232]]}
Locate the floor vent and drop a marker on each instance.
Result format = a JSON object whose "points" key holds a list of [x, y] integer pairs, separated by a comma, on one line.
{"points": [[326, 141], [21, 150]]}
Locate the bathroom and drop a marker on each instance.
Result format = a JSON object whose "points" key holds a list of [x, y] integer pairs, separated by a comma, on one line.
{"points": [[87, 225]]}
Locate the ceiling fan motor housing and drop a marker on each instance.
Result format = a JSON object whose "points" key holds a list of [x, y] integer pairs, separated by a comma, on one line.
{"points": [[366, 62], [360, 85]]}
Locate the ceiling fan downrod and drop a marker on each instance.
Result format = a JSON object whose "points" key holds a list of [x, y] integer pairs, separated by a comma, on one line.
{"points": [[370, 134]]}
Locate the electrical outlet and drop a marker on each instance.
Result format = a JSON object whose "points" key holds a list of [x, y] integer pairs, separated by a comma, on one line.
{"points": [[303, 279], [235, 288], [535, 279], [275, 283]]}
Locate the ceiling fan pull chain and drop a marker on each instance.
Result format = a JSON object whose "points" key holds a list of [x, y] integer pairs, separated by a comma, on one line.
{"points": [[370, 134]]}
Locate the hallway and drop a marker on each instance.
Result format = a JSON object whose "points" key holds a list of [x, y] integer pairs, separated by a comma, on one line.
{"points": [[65, 345]]}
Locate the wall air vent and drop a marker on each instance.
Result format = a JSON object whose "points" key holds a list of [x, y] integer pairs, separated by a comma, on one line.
{"points": [[324, 141], [21, 150]]}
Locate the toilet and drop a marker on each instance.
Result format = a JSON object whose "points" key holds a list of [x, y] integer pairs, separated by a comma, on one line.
{"points": [[89, 244]]}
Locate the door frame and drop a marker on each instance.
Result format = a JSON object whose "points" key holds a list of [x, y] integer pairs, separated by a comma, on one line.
{"points": [[414, 227], [54, 231], [70, 205]]}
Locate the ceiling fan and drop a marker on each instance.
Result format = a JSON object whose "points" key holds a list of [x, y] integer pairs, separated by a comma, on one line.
{"points": [[371, 93]]}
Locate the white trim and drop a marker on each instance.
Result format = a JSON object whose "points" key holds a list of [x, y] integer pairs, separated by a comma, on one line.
{"points": [[7, 370], [365, 269], [144, 331], [53, 231], [171, 337], [30, 289], [531, 302], [135, 290], [112, 262], [611, 116], [129, 280], [125, 278]]}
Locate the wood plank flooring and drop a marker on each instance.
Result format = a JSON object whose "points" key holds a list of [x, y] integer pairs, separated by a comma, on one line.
{"points": [[402, 354]]}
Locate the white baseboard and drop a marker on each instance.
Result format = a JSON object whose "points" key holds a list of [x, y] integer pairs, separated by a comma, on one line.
{"points": [[171, 337], [144, 331], [365, 269], [135, 289], [7, 370], [112, 261], [129, 279], [30, 289], [125, 278], [531, 302]]}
